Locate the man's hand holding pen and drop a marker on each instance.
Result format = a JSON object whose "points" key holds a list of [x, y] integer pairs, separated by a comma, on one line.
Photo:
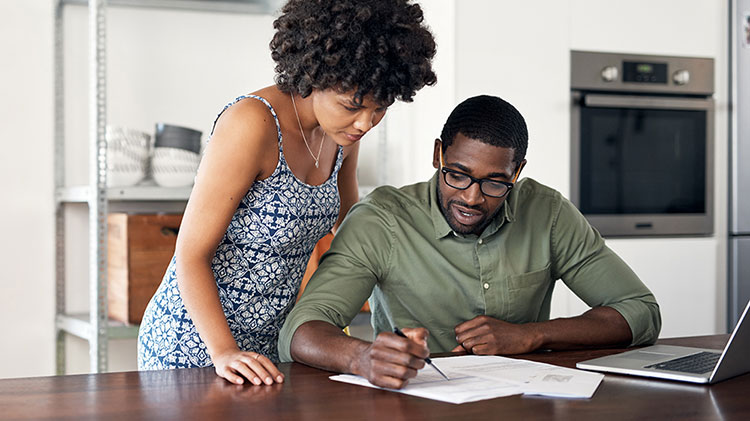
{"points": [[391, 360]]}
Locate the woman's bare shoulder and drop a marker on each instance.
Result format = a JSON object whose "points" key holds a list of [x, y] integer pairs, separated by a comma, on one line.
{"points": [[248, 131]]}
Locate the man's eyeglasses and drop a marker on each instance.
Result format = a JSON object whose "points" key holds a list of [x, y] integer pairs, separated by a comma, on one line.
{"points": [[462, 181]]}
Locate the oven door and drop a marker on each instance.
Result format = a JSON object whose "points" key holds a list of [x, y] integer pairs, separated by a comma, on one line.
{"points": [[643, 165]]}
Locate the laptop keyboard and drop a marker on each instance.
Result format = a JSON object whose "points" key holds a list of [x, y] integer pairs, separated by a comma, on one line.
{"points": [[702, 362]]}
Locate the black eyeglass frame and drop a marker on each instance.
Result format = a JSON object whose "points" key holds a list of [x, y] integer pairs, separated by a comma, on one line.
{"points": [[473, 180]]}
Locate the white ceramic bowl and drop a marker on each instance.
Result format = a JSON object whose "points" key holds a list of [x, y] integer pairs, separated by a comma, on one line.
{"points": [[173, 167], [124, 178], [127, 156]]}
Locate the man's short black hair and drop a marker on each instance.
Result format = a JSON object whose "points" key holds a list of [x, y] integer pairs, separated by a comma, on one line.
{"points": [[378, 47], [490, 120]]}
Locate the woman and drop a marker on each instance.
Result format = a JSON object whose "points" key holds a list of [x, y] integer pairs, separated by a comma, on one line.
{"points": [[277, 175]]}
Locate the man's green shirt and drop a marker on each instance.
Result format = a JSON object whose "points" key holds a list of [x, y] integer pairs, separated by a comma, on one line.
{"points": [[396, 247]]}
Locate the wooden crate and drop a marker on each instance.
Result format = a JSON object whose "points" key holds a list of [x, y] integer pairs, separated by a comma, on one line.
{"points": [[140, 248]]}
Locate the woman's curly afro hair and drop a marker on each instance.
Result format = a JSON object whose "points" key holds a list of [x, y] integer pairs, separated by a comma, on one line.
{"points": [[378, 47]]}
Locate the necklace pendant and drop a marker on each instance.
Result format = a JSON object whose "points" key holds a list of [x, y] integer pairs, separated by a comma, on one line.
{"points": [[302, 132]]}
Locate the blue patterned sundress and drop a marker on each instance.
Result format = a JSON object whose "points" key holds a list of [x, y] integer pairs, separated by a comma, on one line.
{"points": [[258, 268]]}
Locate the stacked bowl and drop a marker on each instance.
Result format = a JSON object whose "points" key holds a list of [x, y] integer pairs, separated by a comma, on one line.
{"points": [[176, 155], [127, 156]]}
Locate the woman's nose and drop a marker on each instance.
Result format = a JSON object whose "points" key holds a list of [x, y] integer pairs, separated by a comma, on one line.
{"points": [[364, 122]]}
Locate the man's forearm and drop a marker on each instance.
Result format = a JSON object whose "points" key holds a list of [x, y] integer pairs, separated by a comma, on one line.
{"points": [[600, 326], [325, 346]]}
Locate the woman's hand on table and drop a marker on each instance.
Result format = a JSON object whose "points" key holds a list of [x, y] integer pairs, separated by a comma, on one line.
{"points": [[236, 366]]}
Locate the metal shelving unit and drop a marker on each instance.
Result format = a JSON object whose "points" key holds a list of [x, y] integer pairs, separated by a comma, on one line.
{"points": [[95, 327]]}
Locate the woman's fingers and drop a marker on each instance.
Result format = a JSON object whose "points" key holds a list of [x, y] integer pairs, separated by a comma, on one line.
{"points": [[270, 368], [228, 374], [244, 367], [256, 368]]}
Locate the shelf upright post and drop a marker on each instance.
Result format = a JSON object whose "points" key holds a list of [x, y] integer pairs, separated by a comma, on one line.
{"points": [[59, 151], [97, 200]]}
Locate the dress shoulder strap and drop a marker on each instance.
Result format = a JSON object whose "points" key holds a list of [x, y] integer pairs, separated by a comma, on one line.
{"points": [[259, 98]]}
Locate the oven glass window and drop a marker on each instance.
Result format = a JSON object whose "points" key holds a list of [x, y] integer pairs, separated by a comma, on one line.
{"points": [[642, 161]]}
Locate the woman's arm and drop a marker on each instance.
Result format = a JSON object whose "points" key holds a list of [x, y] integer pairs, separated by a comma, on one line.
{"points": [[348, 187], [233, 160]]}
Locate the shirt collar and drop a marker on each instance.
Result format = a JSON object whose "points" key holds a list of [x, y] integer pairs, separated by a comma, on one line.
{"points": [[507, 212], [438, 220]]}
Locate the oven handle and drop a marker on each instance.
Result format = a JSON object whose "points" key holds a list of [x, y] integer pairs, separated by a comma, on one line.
{"points": [[631, 101]]}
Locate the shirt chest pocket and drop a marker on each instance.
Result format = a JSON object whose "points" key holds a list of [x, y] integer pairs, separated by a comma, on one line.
{"points": [[526, 295]]}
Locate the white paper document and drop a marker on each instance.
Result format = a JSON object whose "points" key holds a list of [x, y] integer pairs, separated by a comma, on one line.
{"points": [[475, 377]]}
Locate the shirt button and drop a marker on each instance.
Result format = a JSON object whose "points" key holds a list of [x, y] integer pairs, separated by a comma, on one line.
{"points": [[480, 241], [486, 285]]}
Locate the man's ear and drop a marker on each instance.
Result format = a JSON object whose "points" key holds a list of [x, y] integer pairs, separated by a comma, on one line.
{"points": [[518, 171], [436, 154]]}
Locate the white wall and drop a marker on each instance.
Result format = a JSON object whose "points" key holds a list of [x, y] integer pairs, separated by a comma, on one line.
{"points": [[182, 67], [411, 128], [519, 52], [26, 216]]}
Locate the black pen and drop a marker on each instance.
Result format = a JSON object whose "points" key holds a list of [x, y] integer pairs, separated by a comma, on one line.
{"points": [[398, 332]]}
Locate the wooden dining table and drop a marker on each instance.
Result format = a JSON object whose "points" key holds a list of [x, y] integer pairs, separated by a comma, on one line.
{"points": [[308, 394]]}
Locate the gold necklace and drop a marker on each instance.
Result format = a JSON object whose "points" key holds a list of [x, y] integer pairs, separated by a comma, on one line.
{"points": [[316, 158]]}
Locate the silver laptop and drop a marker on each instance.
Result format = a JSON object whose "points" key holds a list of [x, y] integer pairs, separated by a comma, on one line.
{"points": [[682, 363]]}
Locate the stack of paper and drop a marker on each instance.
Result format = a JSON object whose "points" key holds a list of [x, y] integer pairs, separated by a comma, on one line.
{"points": [[475, 377]]}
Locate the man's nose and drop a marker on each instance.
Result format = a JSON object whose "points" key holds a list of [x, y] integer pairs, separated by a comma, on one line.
{"points": [[472, 195]]}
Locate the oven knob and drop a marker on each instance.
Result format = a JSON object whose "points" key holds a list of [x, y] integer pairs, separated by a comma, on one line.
{"points": [[609, 74], [681, 77]]}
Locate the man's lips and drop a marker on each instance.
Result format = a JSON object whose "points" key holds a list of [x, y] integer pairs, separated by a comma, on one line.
{"points": [[466, 216]]}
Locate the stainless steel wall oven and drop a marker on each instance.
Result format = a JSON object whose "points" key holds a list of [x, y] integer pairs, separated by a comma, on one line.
{"points": [[642, 143]]}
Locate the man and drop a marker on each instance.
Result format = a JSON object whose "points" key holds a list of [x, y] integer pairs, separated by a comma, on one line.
{"points": [[466, 262]]}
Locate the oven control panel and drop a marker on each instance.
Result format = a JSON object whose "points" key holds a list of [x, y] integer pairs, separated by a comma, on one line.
{"points": [[595, 71], [644, 72]]}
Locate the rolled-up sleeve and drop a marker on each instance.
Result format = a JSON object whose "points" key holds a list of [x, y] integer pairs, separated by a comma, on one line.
{"points": [[599, 277], [347, 274]]}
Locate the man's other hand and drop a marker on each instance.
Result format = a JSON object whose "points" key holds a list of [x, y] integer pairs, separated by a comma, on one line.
{"points": [[487, 336], [391, 360]]}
